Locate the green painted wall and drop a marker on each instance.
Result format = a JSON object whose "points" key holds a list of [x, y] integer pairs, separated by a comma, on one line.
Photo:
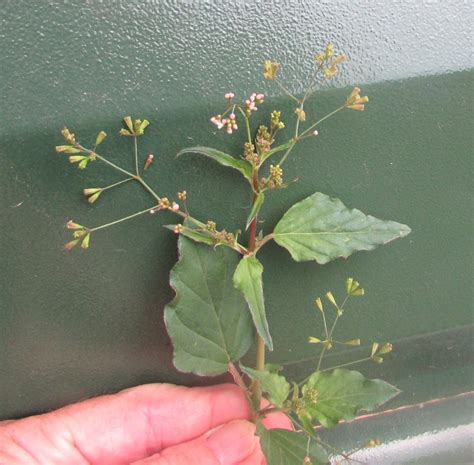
{"points": [[78, 324]]}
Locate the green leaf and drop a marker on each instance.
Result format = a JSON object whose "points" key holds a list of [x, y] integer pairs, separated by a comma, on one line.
{"points": [[282, 447], [197, 236], [278, 148], [257, 204], [208, 320], [276, 386], [223, 158], [322, 228], [341, 394], [248, 279]]}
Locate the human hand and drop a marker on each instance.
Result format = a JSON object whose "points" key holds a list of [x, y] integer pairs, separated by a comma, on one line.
{"points": [[156, 424]]}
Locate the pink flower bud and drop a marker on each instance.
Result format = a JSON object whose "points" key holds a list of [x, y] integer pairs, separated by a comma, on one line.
{"points": [[229, 130], [174, 207], [315, 133], [149, 161], [232, 116], [260, 97], [229, 95]]}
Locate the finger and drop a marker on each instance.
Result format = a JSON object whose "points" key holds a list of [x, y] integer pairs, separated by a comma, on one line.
{"points": [[231, 444], [277, 420], [132, 424]]}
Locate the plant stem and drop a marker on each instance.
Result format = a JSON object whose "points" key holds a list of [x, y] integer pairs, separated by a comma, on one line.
{"points": [[260, 344], [135, 144], [321, 120], [122, 219], [101, 158], [117, 184], [147, 187], [347, 364]]}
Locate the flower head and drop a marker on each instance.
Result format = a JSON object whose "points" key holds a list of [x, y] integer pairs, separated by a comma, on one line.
{"points": [[355, 101], [270, 69]]}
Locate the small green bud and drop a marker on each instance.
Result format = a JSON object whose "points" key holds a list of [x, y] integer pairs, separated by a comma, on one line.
{"points": [[71, 225], [80, 233], [353, 342], [77, 158], [376, 359], [319, 304], [128, 122], [71, 245], [331, 298], [314, 340], [91, 190], [85, 242], [94, 197], [70, 139], [100, 137], [67, 149], [386, 348], [375, 346]]}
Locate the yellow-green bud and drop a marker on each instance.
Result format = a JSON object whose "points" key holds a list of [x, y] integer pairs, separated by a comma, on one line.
{"points": [[100, 137]]}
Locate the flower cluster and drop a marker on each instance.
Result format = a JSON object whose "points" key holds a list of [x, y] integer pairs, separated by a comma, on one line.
{"points": [[134, 128], [275, 179], [165, 204], [252, 102], [92, 193], [275, 122], [355, 101], [77, 155], [328, 61], [270, 69], [230, 123], [81, 234]]}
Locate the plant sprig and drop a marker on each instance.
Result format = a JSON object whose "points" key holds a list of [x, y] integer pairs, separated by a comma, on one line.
{"points": [[219, 303]]}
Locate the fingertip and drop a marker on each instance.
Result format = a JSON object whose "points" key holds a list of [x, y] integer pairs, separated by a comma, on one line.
{"points": [[234, 442]]}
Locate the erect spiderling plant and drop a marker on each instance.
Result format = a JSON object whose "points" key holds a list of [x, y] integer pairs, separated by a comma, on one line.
{"points": [[219, 305]]}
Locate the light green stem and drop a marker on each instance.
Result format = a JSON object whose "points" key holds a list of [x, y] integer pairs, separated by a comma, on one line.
{"points": [[321, 120], [117, 184], [135, 144], [122, 219]]}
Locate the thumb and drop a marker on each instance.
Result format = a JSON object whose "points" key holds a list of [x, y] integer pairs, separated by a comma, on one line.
{"points": [[230, 444]]}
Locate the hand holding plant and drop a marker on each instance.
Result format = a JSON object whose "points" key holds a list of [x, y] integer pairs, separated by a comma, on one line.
{"points": [[218, 280]]}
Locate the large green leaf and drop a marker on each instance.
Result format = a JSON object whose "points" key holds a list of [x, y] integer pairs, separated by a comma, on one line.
{"points": [[248, 279], [223, 158], [282, 447], [341, 394], [208, 320], [322, 228], [275, 385]]}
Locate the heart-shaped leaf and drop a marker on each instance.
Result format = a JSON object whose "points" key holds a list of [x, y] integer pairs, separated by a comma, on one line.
{"points": [[322, 228], [223, 158], [282, 447], [248, 279], [208, 320], [341, 394]]}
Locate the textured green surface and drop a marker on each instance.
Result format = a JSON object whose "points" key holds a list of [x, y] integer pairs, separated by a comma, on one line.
{"points": [[80, 324]]}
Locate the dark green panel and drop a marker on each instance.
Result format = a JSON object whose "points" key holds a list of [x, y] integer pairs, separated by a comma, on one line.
{"points": [[78, 324]]}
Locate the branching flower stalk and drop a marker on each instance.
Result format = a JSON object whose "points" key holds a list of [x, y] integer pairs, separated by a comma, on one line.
{"points": [[318, 228]]}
